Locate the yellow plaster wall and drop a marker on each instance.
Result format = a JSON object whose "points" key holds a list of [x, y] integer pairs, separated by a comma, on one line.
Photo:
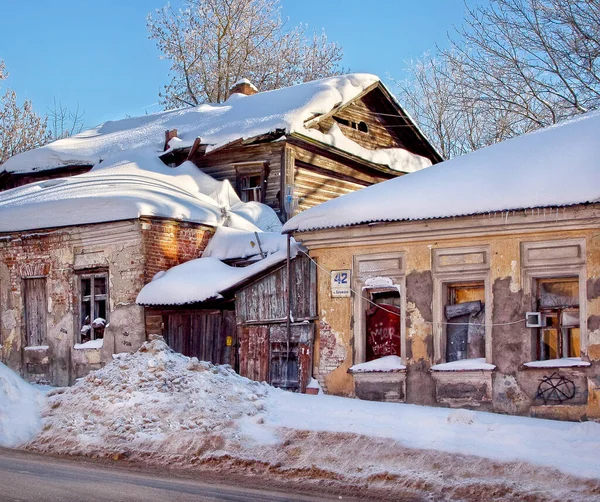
{"points": [[504, 263]]}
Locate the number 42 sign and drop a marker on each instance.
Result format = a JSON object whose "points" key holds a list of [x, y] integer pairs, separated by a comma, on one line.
{"points": [[340, 283]]}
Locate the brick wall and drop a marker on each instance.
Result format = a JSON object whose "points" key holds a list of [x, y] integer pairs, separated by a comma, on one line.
{"points": [[169, 243]]}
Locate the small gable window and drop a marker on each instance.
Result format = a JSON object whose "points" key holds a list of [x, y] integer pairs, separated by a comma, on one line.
{"points": [[251, 181]]}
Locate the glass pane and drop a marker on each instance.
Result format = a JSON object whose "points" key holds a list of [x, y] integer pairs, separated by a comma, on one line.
{"points": [[570, 318], [99, 285], [466, 292], [86, 287], [549, 343], [574, 337], [100, 309], [558, 293]]}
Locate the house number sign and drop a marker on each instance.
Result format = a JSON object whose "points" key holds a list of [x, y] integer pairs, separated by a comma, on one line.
{"points": [[340, 283]]}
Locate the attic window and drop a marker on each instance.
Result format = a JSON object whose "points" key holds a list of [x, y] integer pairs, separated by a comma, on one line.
{"points": [[251, 180], [360, 126]]}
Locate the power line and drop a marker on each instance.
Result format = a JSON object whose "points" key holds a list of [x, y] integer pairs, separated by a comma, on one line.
{"points": [[330, 273]]}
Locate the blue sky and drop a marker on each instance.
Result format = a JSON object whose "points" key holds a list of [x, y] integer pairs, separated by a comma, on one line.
{"points": [[97, 53]]}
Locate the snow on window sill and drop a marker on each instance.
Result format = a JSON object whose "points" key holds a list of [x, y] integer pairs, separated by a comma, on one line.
{"points": [[478, 364], [37, 347], [564, 362], [386, 364], [92, 344]]}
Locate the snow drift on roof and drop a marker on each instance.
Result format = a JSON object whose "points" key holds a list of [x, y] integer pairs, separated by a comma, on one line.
{"points": [[231, 243], [201, 279], [240, 117], [556, 166], [128, 186]]}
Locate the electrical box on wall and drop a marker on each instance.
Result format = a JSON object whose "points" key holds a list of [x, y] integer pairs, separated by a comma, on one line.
{"points": [[534, 320]]}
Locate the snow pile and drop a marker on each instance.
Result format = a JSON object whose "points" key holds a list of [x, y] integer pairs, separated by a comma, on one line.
{"points": [[231, 243], [163, 408], [556, 166], [465, 365], [20, 405], [128, 186], [240, 117], [154, 401], [201, 279], [383, 364]]}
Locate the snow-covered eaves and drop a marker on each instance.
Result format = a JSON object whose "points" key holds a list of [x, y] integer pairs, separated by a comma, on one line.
{"points": [[202, 279], [232, 243], [553, 167], [129, 186], [240, 117]]}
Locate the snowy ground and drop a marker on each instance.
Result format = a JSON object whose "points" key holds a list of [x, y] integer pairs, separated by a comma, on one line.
{"points": [[162, 408]]}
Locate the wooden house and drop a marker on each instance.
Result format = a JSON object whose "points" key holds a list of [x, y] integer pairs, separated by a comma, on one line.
{"points": [[290, 165], [474, 283], [247, 325]]}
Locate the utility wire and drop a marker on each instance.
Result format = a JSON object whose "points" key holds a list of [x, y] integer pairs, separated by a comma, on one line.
{"points": [[330, 273]]}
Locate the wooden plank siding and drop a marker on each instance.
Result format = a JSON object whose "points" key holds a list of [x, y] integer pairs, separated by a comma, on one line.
{"points": [[266, 351], [221, 165]]}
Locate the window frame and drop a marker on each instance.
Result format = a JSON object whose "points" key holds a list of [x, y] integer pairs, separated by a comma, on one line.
{"points": [[441, 298], [360, 284], [247, 170], [92, 275], [545, 311]]}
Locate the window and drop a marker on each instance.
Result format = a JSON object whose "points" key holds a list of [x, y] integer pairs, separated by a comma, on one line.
{"points": [[382, 318], [465, 317], [558, 301], [251, 187], [361, 126], [251, 179], [93, 296]]}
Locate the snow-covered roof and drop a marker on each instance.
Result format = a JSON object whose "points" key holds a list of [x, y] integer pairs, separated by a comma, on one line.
{"points": [[202, 279], [232, 243], [128, 186], [555, 166], [240, 117]]}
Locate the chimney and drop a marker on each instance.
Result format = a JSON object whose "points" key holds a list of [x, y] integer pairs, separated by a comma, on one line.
{"points": [[243, 86], [169, 135]]}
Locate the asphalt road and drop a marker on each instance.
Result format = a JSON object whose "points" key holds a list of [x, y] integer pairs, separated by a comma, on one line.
{"points": [[26, 477]]}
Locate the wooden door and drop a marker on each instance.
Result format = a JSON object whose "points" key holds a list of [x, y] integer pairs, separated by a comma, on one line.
{"points": [[35, 311], [254, 352]]}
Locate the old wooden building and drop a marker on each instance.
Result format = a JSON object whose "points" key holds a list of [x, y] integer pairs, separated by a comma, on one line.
{"points": [[364, 137], [474, 283], [245, 322], [248, 163]]}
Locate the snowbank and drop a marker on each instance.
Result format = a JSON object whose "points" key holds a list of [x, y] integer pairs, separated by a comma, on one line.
{"points": [[128, 186], [151, 400], [20, 406], [556, 166], [240, 117], [163, 408]]}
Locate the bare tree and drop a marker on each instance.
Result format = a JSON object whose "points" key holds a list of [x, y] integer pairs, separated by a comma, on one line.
{"points": [[515, 66], [21, 128], [213, 43], [63, 121]]}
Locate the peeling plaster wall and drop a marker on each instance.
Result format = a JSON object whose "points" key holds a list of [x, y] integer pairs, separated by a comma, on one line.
{"points": [[122, 249], [511, 388]]}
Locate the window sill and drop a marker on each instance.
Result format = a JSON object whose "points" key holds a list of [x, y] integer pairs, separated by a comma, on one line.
{"points": [[565, 362], [465, 365], [387, 364], [37, 348], [92, 344]]}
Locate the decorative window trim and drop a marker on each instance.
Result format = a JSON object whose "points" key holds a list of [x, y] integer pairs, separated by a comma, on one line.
{"points": [[453, 266], [379, 266]]}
